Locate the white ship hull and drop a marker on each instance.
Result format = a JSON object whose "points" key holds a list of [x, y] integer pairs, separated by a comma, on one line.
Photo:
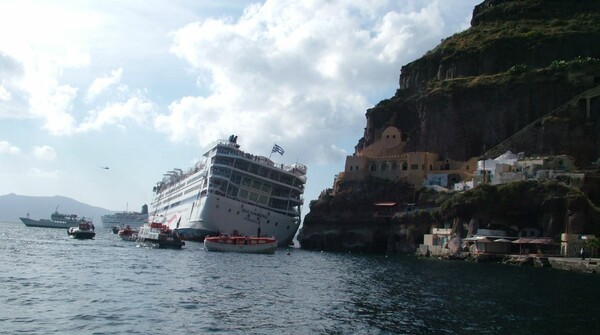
{"points": [[44, 223], [232, 191], [216, 214]]}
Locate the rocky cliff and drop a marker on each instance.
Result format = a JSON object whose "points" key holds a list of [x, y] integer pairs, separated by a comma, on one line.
{"points": [[523, 77], [518, 62]]}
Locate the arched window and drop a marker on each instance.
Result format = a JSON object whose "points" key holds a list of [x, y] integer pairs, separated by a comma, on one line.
{"points": [[383, 166], [404, 166], [373, 167]]}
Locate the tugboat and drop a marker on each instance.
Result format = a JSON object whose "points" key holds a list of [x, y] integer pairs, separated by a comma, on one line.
{"points": [[158, 235], [244, 244], [128, 233], [84, 231]]}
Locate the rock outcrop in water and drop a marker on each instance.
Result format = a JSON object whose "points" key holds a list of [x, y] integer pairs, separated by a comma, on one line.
{"points": [[524, 77]]}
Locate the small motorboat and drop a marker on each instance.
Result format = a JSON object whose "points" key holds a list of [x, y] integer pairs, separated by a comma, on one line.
{"points": [[128, 233], [159, 235], [245, 244], [83, 231]]}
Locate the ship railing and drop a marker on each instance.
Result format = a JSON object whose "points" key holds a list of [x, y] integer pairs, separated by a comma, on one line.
{"points": [[296, 168]]}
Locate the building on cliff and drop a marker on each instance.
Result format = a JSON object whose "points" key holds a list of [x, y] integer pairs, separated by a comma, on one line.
{"points": [[510, 167], [386, 159]]}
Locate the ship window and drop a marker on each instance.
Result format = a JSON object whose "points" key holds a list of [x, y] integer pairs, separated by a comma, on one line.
{"points": [[266, 188], [254, 168], [256, 184], [243, 194], [246, 182], [253, 196], [263, 200]]}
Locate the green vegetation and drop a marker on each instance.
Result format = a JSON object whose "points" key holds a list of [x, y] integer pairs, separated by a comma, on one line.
{"points": [[521, 25], [518, 202], [574, 64]]}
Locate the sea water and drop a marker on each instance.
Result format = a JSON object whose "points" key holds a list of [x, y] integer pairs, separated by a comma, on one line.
{"points": [[50, 283]]}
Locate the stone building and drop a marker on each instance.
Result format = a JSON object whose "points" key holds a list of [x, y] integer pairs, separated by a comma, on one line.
{"points": [[386, 159]]}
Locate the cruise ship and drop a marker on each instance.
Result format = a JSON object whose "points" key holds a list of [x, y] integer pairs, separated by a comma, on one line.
{"points": [[126, 218], [234, 192]]}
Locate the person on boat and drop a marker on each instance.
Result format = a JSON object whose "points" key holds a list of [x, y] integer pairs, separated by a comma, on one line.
{"points": [[93, 228], [258, 235]]}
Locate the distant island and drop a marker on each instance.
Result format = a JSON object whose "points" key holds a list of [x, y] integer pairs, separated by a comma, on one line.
{"points": [[38, 207]]}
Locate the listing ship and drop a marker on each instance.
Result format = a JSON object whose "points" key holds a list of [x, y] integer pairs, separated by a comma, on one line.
{"points": [[123, 219], [57, 220], [230, 190]]}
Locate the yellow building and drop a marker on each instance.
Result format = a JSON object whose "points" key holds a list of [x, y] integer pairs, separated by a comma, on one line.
{"points": [[386, 159]]}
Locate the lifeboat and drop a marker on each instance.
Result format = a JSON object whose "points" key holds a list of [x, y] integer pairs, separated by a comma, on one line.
{"points": [[243, 244]]}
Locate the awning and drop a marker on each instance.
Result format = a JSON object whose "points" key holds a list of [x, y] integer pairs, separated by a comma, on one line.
{"points": [[524, 240]]}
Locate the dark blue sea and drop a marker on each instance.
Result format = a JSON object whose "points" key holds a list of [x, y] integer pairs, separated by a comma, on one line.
{"points": [[51, 284]]}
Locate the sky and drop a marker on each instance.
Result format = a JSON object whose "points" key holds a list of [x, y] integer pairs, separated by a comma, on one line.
{"points": [[142, 87]]}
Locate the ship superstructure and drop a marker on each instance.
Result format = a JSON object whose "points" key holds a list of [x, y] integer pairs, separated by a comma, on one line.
{"points": [[126, 218], [231, 191]]}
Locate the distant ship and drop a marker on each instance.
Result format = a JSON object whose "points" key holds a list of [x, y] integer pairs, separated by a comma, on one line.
{"points": [[122, 219], [57, 220], [231, 190]]}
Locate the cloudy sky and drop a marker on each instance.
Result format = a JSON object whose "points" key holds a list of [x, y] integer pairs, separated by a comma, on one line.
{"points": [[142, 86]]}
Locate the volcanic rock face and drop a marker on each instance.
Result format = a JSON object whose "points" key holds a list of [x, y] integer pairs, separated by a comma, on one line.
{"points": [[518, 62], [525, 77]]}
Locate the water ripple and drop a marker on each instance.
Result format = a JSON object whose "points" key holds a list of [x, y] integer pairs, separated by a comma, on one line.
{"points": [[53, 284]]}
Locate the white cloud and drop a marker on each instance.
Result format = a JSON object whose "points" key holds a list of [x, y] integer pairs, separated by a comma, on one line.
{"points": [[101, 84], [136, 108], [299, 72], [4, 94], [7, 148], [44, 152]]}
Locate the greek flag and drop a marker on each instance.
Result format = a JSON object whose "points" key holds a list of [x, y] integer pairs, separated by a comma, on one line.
{"points": [[277, 149]]}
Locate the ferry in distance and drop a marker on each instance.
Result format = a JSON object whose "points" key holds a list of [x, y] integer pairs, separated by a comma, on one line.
{"points": [[126, 218], [57, 220], [231, 190]]}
